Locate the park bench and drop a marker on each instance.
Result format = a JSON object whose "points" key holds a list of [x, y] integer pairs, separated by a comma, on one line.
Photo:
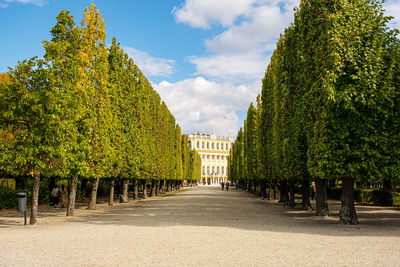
{"points": [[298, 201]]}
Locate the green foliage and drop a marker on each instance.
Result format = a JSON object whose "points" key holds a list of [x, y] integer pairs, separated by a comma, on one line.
{"points": [[330, 99], [87, 109]]}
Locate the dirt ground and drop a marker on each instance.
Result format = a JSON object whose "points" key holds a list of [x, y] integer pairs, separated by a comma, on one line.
{"points": [[202, 226]]}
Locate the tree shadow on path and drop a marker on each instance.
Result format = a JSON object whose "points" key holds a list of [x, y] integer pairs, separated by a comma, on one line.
{"points": [[211, 207]]}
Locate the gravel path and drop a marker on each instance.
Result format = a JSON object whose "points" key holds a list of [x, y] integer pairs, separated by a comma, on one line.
{"points": [[200, 227]]}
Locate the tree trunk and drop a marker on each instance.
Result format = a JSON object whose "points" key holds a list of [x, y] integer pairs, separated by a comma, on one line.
{"points": [[274, 190], [157, 187], [347, 212], [111, 197], [291, 191], [144, 189], [136, 189], [321, 208], [270, 191], [93, 197], [387, 197], [72, 196], [167, 185], [123, 198], [153, 188], [83, 188], [283, 196], [305, 188], [35, 199]]}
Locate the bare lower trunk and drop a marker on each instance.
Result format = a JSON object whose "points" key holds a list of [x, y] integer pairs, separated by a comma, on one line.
{"points": [[93, 198], [83, 188], [124, 196], [387, 199], [274, 190], [35, 199], [291, 191], [111, 197], [144, 189], [72, 196], [167, 185], [153, 188], [270, 191], [347, 212], [157, 187], [284, 196], [136, 189], [321, 207], [305, 188], [161, 189]]}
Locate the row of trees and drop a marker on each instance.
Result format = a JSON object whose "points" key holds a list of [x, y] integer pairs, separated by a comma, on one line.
{"points": [[330, 106], [87, 111]]}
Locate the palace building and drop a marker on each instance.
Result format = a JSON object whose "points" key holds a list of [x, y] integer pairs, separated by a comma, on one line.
{"points": [[214, 153]]}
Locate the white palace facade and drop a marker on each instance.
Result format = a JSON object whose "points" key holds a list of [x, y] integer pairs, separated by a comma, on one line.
{"points": [[214, 153]]}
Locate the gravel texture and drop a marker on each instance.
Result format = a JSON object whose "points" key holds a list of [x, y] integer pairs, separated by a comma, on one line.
{"points": [[202, 226]]}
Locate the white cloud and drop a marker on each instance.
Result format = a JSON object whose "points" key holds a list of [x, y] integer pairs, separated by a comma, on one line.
{"points": [[261, 28], [204, 13], [236, 68], [241, 52], [7, 3], [207, 106], [393, 9], [151, 66]]}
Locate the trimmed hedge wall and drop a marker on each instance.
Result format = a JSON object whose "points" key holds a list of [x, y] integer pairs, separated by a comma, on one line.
{"points": [[375, 196]]}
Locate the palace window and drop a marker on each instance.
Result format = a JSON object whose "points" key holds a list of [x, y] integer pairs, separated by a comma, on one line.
{"points": [[190, 143], [217, 156], [202, 145], [208, 145], [213, 170], [212, 145], [223, 170], [222, 157], [208, 156], [203, 170], [217, 169], [203, 156], [208, 169], [213, 156], [226, 146], [198, 144], [217, 146]]}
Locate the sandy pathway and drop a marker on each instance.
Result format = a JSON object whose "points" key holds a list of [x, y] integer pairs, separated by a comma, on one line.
{"points": [[201, 227]]}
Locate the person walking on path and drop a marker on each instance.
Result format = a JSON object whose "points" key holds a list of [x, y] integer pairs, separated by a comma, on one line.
{"points": [[313, 190], [222, 184], [227, 186], [55, 194], [63, 197]]}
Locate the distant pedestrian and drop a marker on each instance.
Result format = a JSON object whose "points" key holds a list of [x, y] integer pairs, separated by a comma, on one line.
{"points": [[222, 184], [54, 196], [63, 197], [227, 186], [313, 190]]}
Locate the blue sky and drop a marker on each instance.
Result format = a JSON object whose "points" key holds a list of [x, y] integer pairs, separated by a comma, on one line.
{"points": [[206, 58]]}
